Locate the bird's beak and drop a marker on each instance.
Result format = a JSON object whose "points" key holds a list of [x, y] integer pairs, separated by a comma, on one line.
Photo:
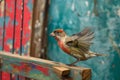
{"points": [[52, 34]]}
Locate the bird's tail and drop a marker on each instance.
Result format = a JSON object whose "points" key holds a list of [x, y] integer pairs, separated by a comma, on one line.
{"points": [[96, 54], [101, 54]]}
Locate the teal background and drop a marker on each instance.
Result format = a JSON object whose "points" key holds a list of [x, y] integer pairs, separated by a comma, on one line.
{"points": [[103, 16]]}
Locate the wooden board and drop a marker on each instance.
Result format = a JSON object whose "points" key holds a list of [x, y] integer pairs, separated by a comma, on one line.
{"points": [[39, 68], [8, 30], [18, 21], [1, 22], [27, 24], [18, 26], [9, 26]]}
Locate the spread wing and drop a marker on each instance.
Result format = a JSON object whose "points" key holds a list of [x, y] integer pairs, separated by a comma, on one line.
{"points": [[81, 40]]}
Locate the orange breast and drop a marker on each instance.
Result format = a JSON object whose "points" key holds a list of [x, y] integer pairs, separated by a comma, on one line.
{"points": [[64, 47]]}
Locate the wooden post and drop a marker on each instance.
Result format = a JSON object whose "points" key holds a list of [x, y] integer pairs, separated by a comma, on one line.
{"points": [[39, 24]]}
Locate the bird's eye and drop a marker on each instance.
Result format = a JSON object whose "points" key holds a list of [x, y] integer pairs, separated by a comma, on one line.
{"points": [[57, 33]]}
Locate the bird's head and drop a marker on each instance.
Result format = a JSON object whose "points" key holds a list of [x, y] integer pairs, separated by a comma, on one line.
{"points": [[59, 34]]}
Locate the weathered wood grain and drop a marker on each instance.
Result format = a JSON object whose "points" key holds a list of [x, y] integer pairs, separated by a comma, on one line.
{"points": [[8, 32], [1, 23], [62, 71], [38, 40], [39, 68], [18, 26], [27, 10], [2, 20]]}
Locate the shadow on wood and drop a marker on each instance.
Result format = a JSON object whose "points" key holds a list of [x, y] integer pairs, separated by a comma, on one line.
{"points": [[41, 69]]}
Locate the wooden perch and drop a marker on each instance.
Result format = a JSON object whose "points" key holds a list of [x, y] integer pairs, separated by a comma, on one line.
{"points": [[41, 69], [62, 71]]}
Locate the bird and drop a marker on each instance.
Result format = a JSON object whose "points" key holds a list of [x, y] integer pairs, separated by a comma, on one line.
{"points": [[76, 45]]}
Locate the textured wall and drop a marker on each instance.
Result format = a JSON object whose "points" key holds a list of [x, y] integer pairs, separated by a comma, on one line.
{"points": [[103, 16]]}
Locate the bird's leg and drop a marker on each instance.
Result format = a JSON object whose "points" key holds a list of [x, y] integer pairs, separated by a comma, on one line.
{"points": [[74, 62]]}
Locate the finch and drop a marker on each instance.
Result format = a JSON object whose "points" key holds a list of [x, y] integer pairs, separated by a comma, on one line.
{"points": [[76, 45]]}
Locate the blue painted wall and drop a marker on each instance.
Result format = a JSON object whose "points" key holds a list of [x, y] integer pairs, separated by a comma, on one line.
{"points": [[103, 16]]}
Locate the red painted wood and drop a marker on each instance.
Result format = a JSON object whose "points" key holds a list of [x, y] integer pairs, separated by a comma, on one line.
{"points": [[8, 39], [17, 32], [1, 28], [18, 26], [1, 23], [9, 25], [27, 26]]}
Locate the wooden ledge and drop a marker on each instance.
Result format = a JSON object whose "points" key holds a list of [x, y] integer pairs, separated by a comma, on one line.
{"points": [[41, 69]]}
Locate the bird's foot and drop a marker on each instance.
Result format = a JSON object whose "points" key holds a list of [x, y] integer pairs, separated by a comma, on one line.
{"points": [[73, 64]]}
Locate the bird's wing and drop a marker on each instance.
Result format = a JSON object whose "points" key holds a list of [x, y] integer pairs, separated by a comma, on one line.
{"points": [[82, 33], [81, 40]]}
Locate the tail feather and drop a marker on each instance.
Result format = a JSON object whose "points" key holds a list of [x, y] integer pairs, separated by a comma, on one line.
{"points": [[101, 54], [96, 54]]}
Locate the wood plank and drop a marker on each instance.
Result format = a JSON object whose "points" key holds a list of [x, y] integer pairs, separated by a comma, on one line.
{"points": [[23, 23], [18, 26], [9, 31], [17, 32], [27, 23], [1, 28], [9, 27], [2, 11], [39, 68], [1, 22]]}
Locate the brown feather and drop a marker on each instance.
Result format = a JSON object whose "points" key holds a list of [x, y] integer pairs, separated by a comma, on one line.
{"points": [[81, 41]]}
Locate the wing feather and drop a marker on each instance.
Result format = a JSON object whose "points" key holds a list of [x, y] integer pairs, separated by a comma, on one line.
{"points": [[81, 40]]}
